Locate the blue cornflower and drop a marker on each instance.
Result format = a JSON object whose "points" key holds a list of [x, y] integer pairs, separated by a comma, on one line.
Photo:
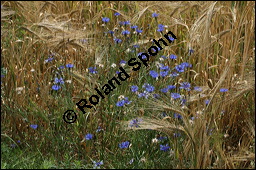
{"points": [[136, 46], [117, 40], [223, 90], [93, 70], [121, 23], [125, 32], [122, 62], [174, 74], [177, 116], [97, 164], [117, 72], [175, 95], [185, 85], [55, 87], [117, 14], [61, 67], [56, 80], [164, 147], [164, 90], [186, 65], [170, 87], [89, 136], [124, 145], [171, 38], [135, 122], [48, 59], [207, 101], [126, 101], [111, 32], [69, 65], [120, 103], [162, 138], [179, 68], [154, 15], [105, 19], [163, 73], [134, 27], [139, 31], [197, 88], [172, 56], [126, 22], [134, 88], [164, 57], [164, 68], [153, 73], [149, 88], [160, 28], [34, 126]]}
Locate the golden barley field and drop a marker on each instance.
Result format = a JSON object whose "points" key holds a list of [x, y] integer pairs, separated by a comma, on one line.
{"points": [[128, 84]]}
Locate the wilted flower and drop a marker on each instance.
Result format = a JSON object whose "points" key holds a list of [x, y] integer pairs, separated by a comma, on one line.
{"points": [[131, 161], [135, 122], [97, 164], [185, 85], [177, 116], [113, 65], [155, 140]]}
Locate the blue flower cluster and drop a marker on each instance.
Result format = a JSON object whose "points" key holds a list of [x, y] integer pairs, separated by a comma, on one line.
{"points": [[123, 102]]}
